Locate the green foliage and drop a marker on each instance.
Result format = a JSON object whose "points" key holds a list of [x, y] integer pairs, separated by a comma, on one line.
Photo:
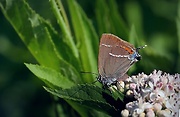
{"points": [[66, 43], [108, 17], [87, 95], [51, 76]]}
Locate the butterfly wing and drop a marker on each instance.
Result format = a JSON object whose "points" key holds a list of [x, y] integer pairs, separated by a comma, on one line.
{"points": [[113, 66]]}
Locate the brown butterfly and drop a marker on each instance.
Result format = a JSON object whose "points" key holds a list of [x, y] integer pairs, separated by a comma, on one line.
{"points": [[115, 58]]}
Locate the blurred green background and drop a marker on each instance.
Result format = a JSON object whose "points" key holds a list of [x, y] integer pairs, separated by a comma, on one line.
{"points": [[155, 22]]}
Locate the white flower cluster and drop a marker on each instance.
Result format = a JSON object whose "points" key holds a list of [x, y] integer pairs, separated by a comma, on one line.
{"points": [[156, 95]]}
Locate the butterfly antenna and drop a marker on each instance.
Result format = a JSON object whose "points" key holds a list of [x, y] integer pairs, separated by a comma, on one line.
{"points": [[142, 47], [138, 48], [89, 73], [94, 81]]}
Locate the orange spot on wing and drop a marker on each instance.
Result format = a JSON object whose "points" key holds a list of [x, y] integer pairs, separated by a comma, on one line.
{"points": [[128, 49]]}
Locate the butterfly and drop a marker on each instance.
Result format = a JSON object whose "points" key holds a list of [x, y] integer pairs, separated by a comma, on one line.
{"points": [[115, 58]]}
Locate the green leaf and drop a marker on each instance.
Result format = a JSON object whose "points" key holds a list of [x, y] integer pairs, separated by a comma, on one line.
{"points": [[39, 36], [86, 38], [133, 38], [109, 20], [62, 20], [50, 75], [29, 27], [64, 26], [90, 96], [42, 40], [178, 34], [117, 94], [133, 15]]}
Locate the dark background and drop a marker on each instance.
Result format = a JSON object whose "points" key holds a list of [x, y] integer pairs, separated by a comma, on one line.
{"points": [[21, 93]]}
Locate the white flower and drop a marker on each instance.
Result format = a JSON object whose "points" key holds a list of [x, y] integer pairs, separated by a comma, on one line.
{"points": [[150, 113], [157, 107], [156, 94], [125, 113], [164, 113]]}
